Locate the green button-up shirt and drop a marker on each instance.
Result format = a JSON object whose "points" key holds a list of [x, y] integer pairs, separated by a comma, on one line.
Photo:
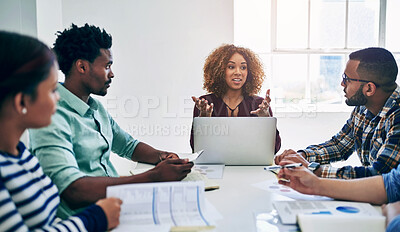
{"points": [[78, 143]]}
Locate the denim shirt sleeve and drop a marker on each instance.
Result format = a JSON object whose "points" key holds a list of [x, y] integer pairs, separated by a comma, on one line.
{"points": [[394, 225], [391, 181]]}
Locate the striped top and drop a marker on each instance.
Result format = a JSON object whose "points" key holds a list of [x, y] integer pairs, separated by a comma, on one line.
{"points": [[29, 200]]}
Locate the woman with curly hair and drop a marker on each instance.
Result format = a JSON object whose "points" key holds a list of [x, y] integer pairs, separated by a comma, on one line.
{"points": [[233, 76]]}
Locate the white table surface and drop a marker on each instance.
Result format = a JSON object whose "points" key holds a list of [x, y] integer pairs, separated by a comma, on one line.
{"points": [[238, 201]]}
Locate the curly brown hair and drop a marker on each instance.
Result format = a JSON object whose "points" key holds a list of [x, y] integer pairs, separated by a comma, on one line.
{"points": [[215, 66]]}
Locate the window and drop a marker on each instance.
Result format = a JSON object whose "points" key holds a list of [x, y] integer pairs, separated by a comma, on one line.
{"points": [[304, 45]]}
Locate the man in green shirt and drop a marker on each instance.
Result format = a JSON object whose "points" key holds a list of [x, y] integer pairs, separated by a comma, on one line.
{"points": [[75, 149]]}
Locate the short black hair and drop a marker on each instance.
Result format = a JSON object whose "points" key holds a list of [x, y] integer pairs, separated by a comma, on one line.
{"points": [[80, 43], [378, 65], [24, 63]]}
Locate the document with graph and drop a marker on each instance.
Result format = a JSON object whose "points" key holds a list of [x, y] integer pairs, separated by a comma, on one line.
{"points": [[331, 215], [166, 204]]}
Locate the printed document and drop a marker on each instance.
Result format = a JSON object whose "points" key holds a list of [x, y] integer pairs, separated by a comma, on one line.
{"points": [[330, 215], [161, 204], [190, 156]]}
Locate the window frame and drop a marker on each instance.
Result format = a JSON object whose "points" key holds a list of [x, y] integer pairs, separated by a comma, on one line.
{"points": [[274, 50]]}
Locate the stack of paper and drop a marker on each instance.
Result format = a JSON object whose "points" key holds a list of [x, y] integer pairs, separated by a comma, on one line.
{"points": [[161, 205], [195, 175], [330, 215]]}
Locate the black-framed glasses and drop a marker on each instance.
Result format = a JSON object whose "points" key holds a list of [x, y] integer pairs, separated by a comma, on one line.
{"points": [[346, 79]]}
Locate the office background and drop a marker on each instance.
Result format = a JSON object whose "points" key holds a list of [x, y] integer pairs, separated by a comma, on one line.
{"points": [[159, 48]]}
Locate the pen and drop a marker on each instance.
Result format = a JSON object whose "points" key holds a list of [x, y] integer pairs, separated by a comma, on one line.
{"points": [[269, 168], [200, 152], [273, 172]]}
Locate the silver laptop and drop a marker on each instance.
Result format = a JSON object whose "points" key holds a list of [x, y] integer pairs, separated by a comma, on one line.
{"points": [[235, 140]]}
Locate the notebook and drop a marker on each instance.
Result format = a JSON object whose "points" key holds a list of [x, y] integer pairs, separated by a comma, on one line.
{"points": [[197, 176], [235, 140]]}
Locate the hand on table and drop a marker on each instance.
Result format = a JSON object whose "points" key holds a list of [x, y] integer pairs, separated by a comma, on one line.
{"points": [[172, 169], [167, 155], [293, 156], [300, 179]]}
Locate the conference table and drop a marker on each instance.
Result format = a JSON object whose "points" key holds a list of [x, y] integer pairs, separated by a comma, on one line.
{"points": [[238, 201]]}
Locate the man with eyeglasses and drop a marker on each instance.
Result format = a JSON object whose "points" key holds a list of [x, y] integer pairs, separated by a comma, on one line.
{"points": [[373, 129]]}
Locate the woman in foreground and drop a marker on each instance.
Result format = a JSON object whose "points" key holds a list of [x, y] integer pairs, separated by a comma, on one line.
{"points": [[28, 97]]}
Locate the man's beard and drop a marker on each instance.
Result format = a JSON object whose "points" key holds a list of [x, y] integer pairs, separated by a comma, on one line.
{"points": [[358, 99]]}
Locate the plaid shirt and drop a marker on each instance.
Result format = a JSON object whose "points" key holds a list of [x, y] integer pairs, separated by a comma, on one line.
{"points": [[376, 140]]}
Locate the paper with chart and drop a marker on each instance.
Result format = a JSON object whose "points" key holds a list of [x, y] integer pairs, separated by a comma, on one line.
{"points": [[170, 204], [212, 171], [289, 210]]}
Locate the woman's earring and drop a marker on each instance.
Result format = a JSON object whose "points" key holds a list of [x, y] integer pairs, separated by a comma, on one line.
{"points": [[24, 110]]}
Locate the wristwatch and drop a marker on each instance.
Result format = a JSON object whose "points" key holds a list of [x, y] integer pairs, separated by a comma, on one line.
{"points": [[313, 166]]}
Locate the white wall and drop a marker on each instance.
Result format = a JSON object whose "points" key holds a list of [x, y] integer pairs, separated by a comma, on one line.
{"points": [[18, 16], [159, 48], [49, 20]]}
